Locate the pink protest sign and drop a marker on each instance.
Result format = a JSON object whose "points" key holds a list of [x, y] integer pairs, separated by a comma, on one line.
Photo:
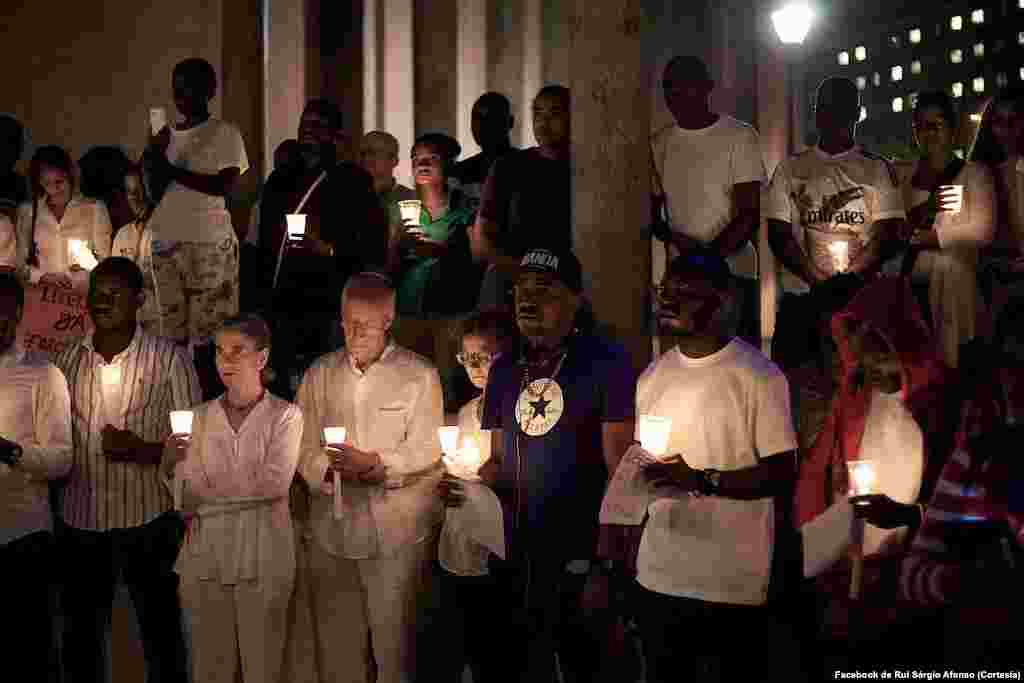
{"points": [[53, 318]]}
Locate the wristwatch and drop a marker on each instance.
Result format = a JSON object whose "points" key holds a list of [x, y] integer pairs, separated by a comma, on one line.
{"points": [[710, 482]]}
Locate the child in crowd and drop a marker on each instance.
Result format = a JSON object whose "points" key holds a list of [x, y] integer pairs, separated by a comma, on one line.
{"points": [[467, 590]]}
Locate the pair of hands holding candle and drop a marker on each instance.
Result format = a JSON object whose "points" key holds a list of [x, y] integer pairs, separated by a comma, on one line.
{"points": [[659, 469]]}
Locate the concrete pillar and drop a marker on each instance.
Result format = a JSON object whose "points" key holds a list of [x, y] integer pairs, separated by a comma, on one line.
{"points": [[531, 23], [284, 70], [611, 179], [471, 67]]}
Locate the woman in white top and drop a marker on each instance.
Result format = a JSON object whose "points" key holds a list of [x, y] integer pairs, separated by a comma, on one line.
{"points": [[193, 168], [57, 220], [467, 592], [134, 241], [947, 237], [238, 563]]}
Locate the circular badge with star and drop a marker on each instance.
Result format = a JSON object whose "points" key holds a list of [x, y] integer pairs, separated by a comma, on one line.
{"points": [[540, 407]]}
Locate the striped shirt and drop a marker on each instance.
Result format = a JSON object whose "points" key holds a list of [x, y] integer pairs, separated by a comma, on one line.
{"points": [[157, 377]]}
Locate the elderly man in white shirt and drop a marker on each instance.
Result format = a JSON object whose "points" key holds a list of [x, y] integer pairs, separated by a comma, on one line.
{"points": [[35, 447], [367, 562]]}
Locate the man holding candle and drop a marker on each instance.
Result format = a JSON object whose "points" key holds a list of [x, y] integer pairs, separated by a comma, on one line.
{"points": [[116, 522], [708, 175], [707, 550], [367, 566], [834, 193], [560, 412], [345, 231], [35, 447]]}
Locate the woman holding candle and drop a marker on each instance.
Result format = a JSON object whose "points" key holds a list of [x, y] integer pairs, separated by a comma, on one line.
{"points": [[467, 590], [61, 234], [238, 566], [951, 209], [436, 274]]}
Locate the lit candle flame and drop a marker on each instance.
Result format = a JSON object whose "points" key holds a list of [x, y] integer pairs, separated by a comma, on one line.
{"points": [[840, 255]]}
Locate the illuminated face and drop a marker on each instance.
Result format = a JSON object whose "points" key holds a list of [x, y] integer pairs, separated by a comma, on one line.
{"points": [[112, 302], [56, 184], [545, 307], [477, 356], [551, 121], [239, 361], [366, 325], [427, 165]]}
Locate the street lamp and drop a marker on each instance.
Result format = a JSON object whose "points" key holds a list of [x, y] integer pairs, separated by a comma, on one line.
{"points": [[792, 23]]}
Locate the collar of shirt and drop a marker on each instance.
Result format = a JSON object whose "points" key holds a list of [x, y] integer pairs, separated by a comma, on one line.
{"points": [[132, 345], [44, 206], [383, 356], [12, 357], [856, 149]]}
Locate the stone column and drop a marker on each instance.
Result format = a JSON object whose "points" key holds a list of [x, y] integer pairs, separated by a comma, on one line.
{"points": [[611, 179], [284, 84]]}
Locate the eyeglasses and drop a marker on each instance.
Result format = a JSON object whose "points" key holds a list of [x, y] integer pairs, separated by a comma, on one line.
{"points": [[358, 328], [475, 360], [235, 354]]}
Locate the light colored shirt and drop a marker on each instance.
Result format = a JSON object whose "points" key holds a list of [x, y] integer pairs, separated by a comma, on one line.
{"points": [[696, 170], [238, 482], [8, 243], [832, 198], [393, 409], [35, 413], [135, 241], [729, 411], [975, 225], [184, 214], [84, 219], [157, 377]]}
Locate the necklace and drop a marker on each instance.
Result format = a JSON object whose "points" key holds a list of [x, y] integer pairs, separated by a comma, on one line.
{"points": [[242, 408], [537, 413]]}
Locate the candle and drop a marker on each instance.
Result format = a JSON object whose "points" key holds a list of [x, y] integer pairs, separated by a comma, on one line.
{"points": [[296, 225], [181, 422], [449, 439], [157, 119], [465, 462], [334, 437], [862, 477], [75, 249], [110, 375], [840, 255], [654, 434], [410, 210]]}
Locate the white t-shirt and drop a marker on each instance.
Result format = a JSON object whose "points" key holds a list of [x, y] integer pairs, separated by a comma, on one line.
{"points": [[832, 199], [186, 215], [893, 441], [728, 410], [84, 219], [697, 169]]}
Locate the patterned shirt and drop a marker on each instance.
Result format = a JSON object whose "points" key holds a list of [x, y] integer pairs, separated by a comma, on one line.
{"points": [[156, 377]]}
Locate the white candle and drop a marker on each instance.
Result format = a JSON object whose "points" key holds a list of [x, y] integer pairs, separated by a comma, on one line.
{"points": [[157, 119], [335, 437], [181, 422], [410, 210], [75, 252], [654, 434], [862, 477], [840, 255], [296, 225], [449, 437]]}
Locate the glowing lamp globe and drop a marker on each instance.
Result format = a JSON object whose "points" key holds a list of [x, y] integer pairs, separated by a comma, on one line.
{"points": [[792, 23]]}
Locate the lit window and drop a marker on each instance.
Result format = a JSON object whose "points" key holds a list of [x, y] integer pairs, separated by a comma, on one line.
{"points": [[844, 58], [912, 100], [860, 53], [897, 104], [1001, 80], [956, 56], [876, 78], [978, 84], [863, 113], [915, 34], [956, 23], [915, 67], [958, 90], [978, 16], [897, 73], [1020, 38], [979, 50], [862, 82]]}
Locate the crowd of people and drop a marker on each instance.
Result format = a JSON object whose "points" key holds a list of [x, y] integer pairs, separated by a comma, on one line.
{"points": [[555, 539]]}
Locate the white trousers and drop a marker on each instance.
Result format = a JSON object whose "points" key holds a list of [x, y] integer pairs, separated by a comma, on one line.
{"points": [[244, 624], [953, 296], [365, 614]]}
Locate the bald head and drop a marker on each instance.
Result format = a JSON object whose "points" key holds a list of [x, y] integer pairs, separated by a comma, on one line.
{"points": [[367, 313]]}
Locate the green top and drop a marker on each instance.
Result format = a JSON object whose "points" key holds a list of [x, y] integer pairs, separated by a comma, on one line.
{"points": [[417, 273]]}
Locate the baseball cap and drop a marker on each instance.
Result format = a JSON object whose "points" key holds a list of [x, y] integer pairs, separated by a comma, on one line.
{"points": [[563, 265], [705, 262]]}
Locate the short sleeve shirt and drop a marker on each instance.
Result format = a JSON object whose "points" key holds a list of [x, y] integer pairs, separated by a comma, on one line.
{"points": [[563, 468], [833, 200]]}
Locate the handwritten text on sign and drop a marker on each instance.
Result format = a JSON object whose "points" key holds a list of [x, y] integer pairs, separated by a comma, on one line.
{"points": [[53, 318]]}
